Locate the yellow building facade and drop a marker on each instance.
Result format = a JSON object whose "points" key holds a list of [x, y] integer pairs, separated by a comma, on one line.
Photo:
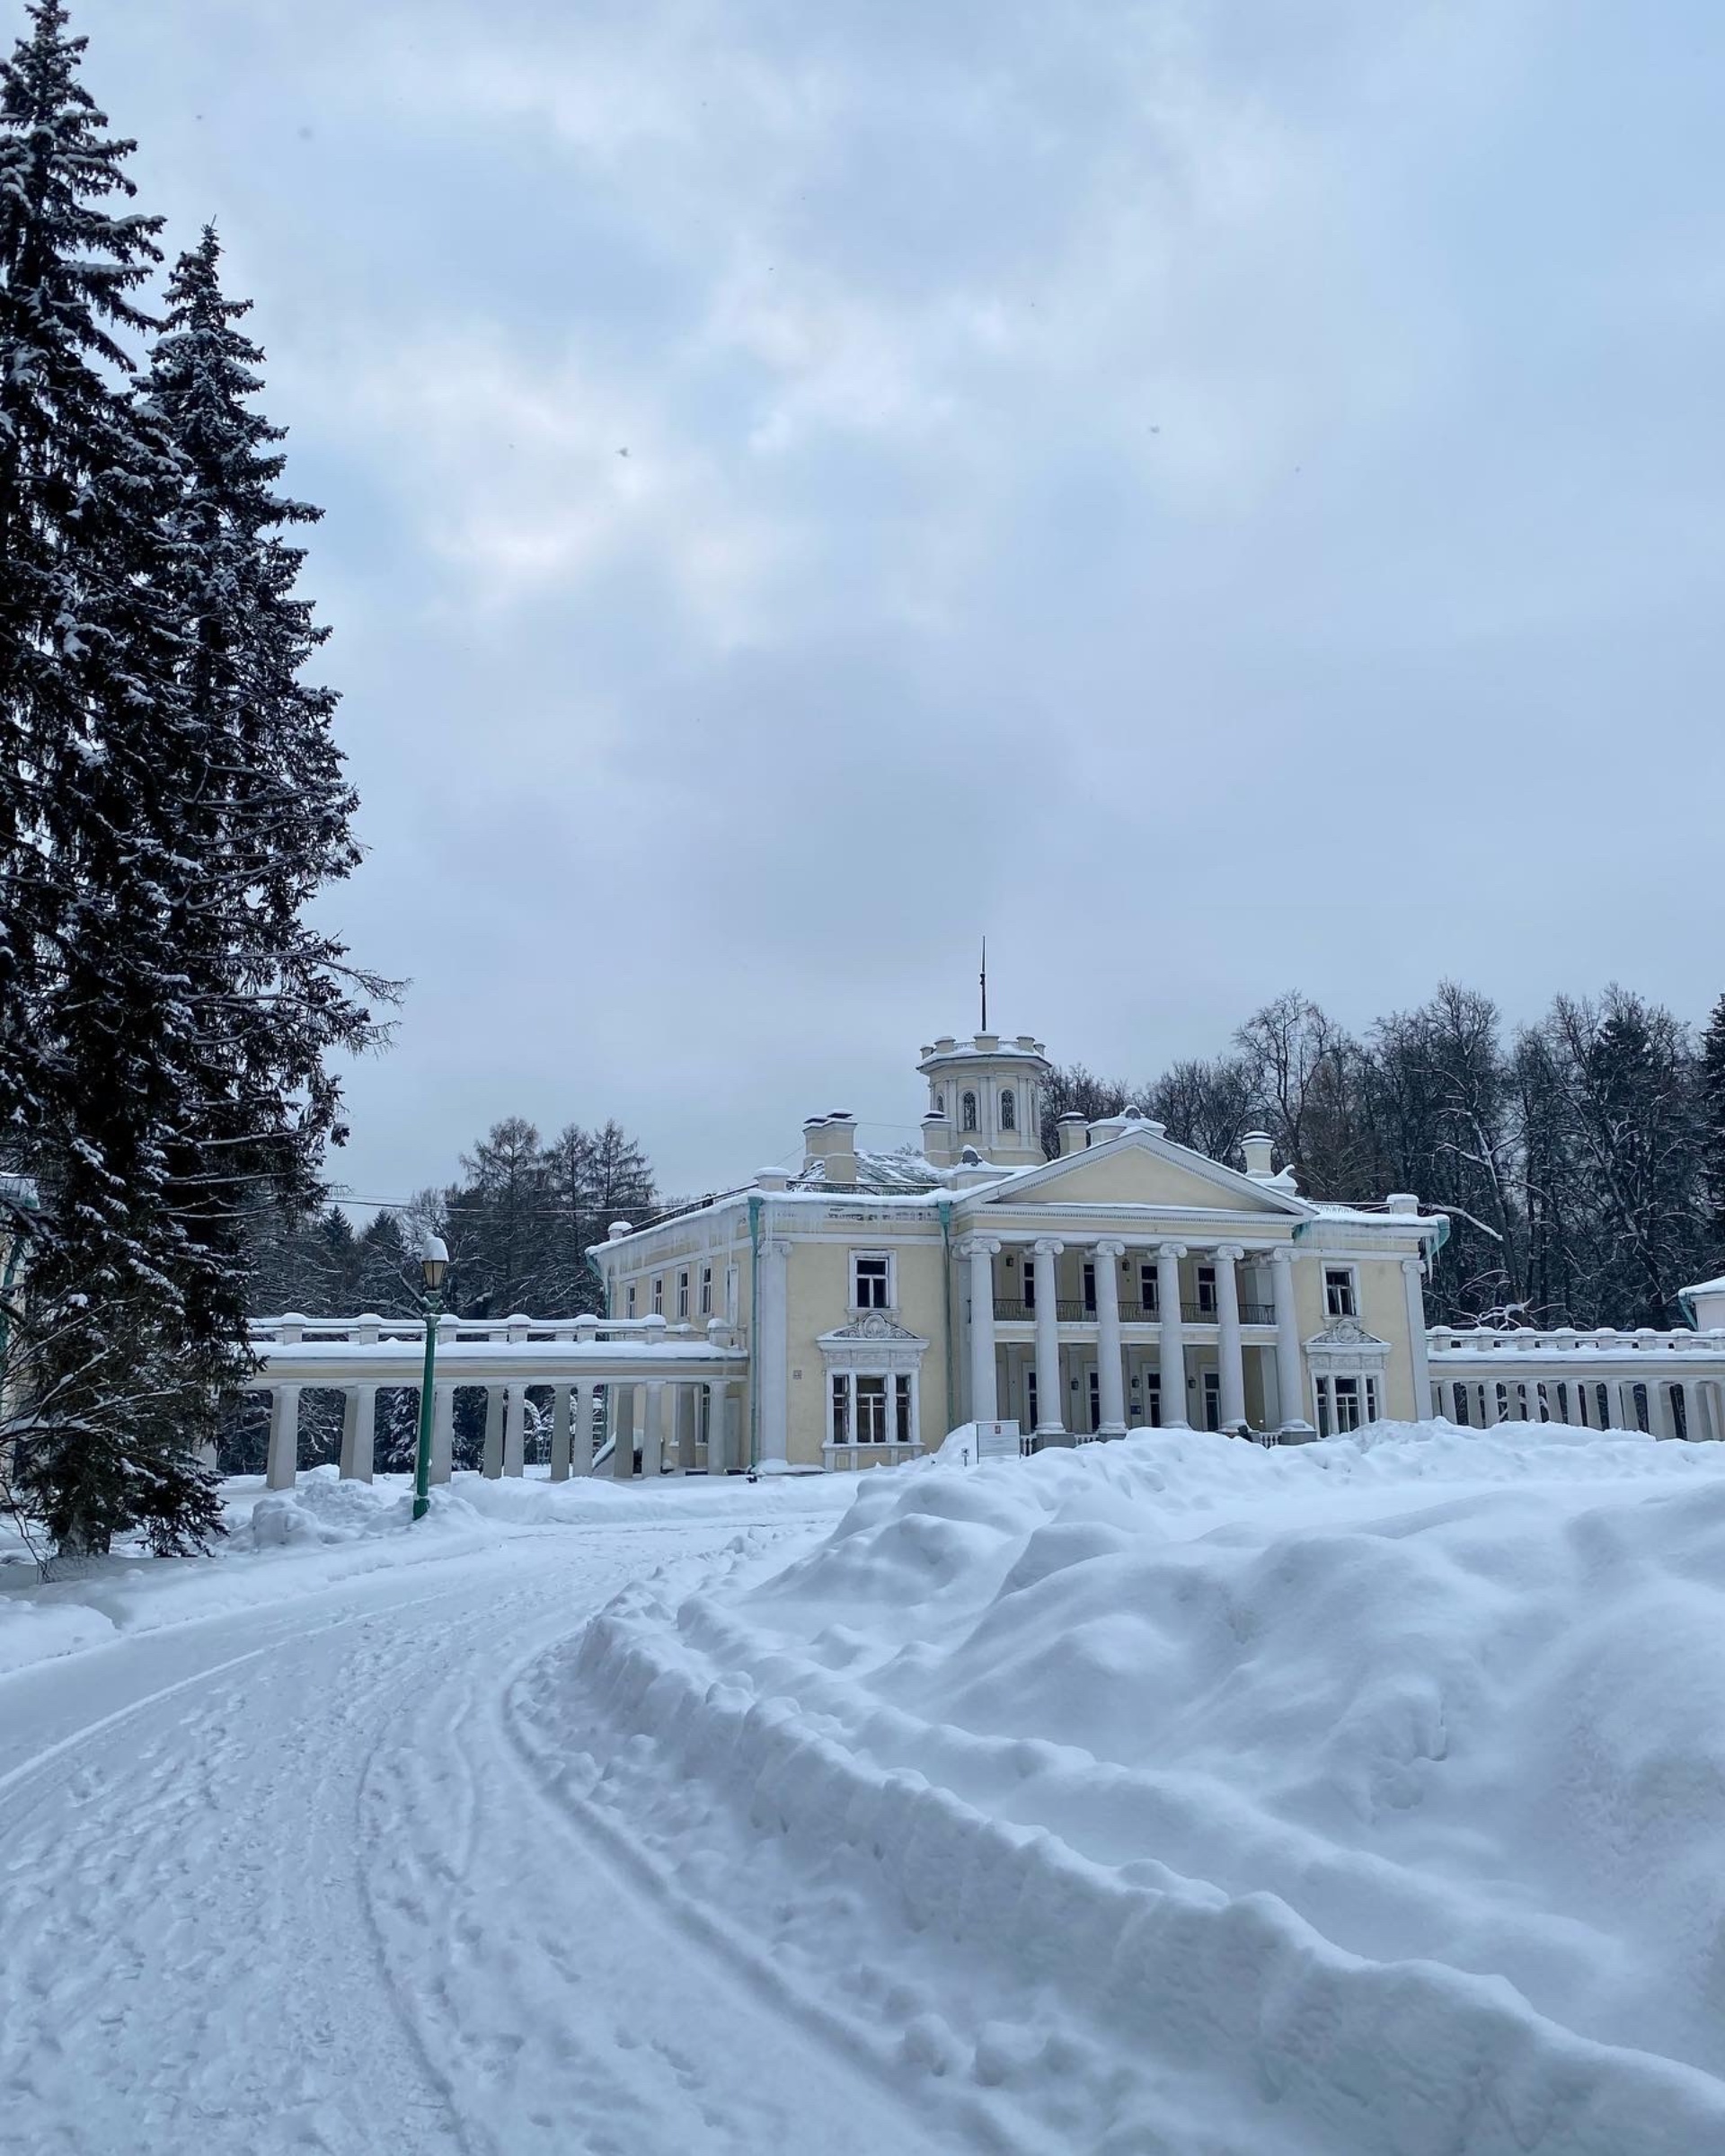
{"points": [[887, 1299]]}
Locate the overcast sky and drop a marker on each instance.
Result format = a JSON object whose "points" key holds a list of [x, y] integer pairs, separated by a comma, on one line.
{"points": [[1219, 497]]}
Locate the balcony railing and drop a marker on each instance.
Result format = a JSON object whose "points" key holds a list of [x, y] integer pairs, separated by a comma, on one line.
{"points": [[1013, 1310]]}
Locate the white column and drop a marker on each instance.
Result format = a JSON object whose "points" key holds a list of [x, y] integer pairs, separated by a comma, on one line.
{"points": [[492, 1460], [443, 1431], [515, 1429], [1050, 1420], [581, 1429], [1413, 1272], [622, 1413], [718, 1426], [560, 1433], [1171, 1334], [359, 1432], [683, 1422], [1111, 1369], [652, 1436], [772, 1354], [985, 1399], [1229, 1359], [283, 1463], [1290, 1381]]}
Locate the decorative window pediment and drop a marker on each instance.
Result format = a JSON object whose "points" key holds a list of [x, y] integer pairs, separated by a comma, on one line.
{"points": [[874, 1342], [1346, 1339]]}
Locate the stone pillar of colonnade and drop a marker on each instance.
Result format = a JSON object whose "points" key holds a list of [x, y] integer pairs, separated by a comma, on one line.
{"points": [[359, 1432], [772, 1352], [652, 1435], [1110, 1368], [1290, 1382], [515, 1429], [718, 1426], [560, 1433], [1050, 1401], [1230, 1360], [492, 1459], [1171, 1335], [443, 1431], [581, 1429], [623, 1430], [985, 1396], [283, 1463], [685, 1422]]}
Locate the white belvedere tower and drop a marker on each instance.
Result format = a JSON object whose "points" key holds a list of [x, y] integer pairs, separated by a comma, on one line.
{"points": [[984, 1092]]}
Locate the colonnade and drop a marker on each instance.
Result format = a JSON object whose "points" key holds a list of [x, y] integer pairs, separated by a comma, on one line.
{"points": [[671, 1441], [1173, 1330], [1655, 1400]]}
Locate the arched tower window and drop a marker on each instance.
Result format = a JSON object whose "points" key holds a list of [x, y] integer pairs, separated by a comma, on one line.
{"points": [[940, 1099], [1008, 1110], [967, 1112]]}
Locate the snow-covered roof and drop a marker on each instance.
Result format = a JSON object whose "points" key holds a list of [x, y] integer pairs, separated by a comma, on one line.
{"points": [[1705, 1287], [876, 1173]]}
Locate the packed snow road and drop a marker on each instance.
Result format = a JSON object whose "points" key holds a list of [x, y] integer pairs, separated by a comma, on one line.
{"points": [[286, 1880]]}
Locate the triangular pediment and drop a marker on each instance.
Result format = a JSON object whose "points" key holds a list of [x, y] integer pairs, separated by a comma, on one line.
{"points": [[871, 1327], [1143, 1170]]}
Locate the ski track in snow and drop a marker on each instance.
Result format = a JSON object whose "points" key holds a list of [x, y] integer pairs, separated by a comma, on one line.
{"points": [[306, 1893]]}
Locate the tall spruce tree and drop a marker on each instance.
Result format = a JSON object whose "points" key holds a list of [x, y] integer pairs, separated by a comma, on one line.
{"points": [[178, 799], [89, 651], [1712, 1122]]}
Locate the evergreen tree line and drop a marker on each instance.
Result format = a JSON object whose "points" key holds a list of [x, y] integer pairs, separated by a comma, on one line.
{"points": [[1581, 1159], [518, 1223], [170, 799]]}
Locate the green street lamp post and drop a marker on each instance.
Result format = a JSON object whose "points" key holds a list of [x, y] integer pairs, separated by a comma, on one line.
{"points": [[434, 1260]]}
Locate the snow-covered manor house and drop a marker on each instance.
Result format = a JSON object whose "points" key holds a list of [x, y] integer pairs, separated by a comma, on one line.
{"points": [[885, 1299]]}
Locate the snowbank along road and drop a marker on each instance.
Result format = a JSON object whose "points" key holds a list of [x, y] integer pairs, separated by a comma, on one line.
{"points": [[1167, 1799]]}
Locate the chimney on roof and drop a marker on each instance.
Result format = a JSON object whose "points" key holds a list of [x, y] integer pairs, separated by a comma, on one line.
{"points": [[1258, 1152], [830, 1141], [1075, 1132]]}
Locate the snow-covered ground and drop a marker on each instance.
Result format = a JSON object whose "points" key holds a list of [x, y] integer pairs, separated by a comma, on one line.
{"points": [[1167, 1796]]}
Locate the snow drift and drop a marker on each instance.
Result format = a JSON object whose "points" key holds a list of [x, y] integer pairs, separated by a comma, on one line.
{"points": [[1366, 1797]]}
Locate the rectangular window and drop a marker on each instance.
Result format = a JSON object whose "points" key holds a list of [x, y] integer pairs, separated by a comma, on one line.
{"points": [[871, 1411], [1347, 1395], [1339, 1298], [1206, 1294], [1095, 1402], [1212, 1400], [629, 1302], [1153, 1403], [841, 1410], [1090, 1288], [872, 1282], [706, 1291], [658, 1297], [1371, 1400], [1030, 1400], [1030, 1288], [901, 1402], [1147, 1290], [682, 1295]]}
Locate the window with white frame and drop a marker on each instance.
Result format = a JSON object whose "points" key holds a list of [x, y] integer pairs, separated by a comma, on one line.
{"points": [[629, 1300], [871, 1280], [968, 1112], [659, 1295], [903, 1423], [1030, 1284], [871, 1411], [706, 1291], [841, 1407], [683, 1294], [1149, 1288], [1341, 1295], [1089, 1278], [1206, 1293], [1153, 1400], [1008, 1110], [1212, 1400]]}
